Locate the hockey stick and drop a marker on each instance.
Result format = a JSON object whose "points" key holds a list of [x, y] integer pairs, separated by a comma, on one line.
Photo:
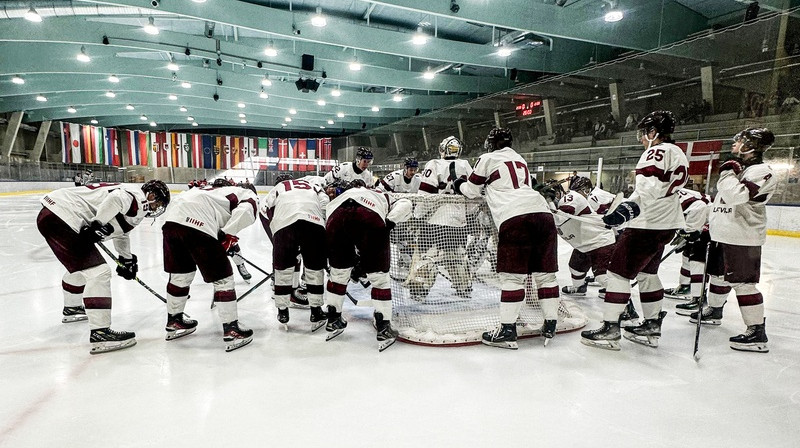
{"points": [[680, 245], [703, 298], [582, 219], [253, 265], [119, 263]]}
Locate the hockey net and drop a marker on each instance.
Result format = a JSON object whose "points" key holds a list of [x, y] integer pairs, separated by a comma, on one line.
{"points": [[445, 288]]}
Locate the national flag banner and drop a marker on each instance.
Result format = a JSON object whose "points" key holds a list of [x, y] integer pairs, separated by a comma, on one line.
{"points": [[160, 149], [327, 152], [226, 146], [209, 159], [283, 153], [71, 142], [300, 153], [272, 154], [253, 144], [145, 142], [700, 153], [311, 150], [173, 150], [218, 152], [111, 147], [197, 150], [97, 145], [128, 143], [236, 151], [185, 150]]}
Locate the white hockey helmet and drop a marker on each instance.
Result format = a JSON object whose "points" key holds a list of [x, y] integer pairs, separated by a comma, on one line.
{"points": [[450, 148]]}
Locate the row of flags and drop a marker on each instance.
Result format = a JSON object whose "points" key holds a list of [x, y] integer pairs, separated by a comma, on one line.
{"points": [[98, 145]]}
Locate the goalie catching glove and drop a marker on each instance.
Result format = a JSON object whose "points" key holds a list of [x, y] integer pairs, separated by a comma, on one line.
{"points": [[128, 267], [96, 232], [622, 214]]}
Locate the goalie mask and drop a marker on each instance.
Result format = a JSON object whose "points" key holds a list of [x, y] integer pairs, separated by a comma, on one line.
{"points": [[158, 204], [450, 148], [498, 138]]}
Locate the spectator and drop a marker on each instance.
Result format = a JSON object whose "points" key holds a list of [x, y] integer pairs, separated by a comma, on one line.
{"points": [[789, 104], [587, 127], [629, 123]]}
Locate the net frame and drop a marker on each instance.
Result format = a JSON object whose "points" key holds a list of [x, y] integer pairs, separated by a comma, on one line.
{"points": [[445, 288]]}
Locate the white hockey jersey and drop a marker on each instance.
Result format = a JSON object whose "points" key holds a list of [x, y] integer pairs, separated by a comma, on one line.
{"points": [[348, 172], [660, 172], [294, 200], [381, 203], [582, 236], [108, 203], [504, 176], [317, 181], [214, 210], [599, 200], [696, 207], [396, 182], [437, 178], [739, 213]]}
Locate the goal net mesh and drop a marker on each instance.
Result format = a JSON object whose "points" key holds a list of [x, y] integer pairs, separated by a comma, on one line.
{"points": [[445, 288]]}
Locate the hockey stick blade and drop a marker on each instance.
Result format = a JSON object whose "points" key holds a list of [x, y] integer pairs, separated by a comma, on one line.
{"points": [[703, 298], [119, 263], [252, 288]]}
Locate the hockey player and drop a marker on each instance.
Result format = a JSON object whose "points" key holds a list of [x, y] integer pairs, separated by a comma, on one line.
{"points": [[295, 211], [653, 214], [738, 228], [356, 169], [405, 180], [72, 220], [694, 238], [361, 219], [236, 251], [592, 244], [599, 200], [200, 229], [446, 222], [527, 236]]}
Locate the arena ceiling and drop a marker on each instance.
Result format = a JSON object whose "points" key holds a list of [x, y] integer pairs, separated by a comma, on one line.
{"points": [[223, 78]]}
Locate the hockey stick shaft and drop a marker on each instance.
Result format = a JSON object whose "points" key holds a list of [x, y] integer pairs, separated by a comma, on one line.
{"points": [[253, 265], [119, 263], [703, 298], [269, 276]]}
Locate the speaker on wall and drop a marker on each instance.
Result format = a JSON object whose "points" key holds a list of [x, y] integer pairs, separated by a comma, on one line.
{"points": [[307, 62]]}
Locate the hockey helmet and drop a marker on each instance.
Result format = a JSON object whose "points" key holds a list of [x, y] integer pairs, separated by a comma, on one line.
{"points": [[411, 163], [661, 121], [160, 196], [450, 148], [756, 139], [283, 177], [363, 153], [581, 184], [356, 183], [335, 188], [220, 182], [498, 138]]}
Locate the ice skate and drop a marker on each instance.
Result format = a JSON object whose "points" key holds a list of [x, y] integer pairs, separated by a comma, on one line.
{"points": [[580, 291], [686, 309], [244, 273], [73, 314], [107, 340], [235, 336], [318, 318], [504, 336], [549, 330], [754, 339], [681, 292], [647, 333], [629, 315], [336, 323], [386, 334], [299, 299], [179, 325], [711, 316], [601, 293], [283, 317], [590, 281], [607, 336]]}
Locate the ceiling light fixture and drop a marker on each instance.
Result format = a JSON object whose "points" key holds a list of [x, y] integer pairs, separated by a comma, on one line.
{"points": [[355, 65], [153, 124], [330, 121], [322, 127], [240, 105], [17, 80], [173, 97], [293, 111], [194, 123], [284, 125], [113, 78], [242, 115], [614, 15], [111, 94], [186, 85], [397, 98], [266, 82], [419, 38], [93, 121], [151, 28], [71, 110], [340, 114], [173, 66], [243, 121], [82, 56], [183, 109], [190, 118], [143, 117], [271, 51], [319, 19], [287, 119], [336, 92], [263, 94], [376, 109], [504, 52], [41, 98], [129, 107], [33, 16], [321, 102], [429, 74]]}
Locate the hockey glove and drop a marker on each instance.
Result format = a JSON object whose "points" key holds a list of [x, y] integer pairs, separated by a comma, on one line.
{"points": [[622, 214], [229, 242], [128, 267], [457, 185], [734, 165], [547, 191], [390, 225], [689, 236], [96, 232]]}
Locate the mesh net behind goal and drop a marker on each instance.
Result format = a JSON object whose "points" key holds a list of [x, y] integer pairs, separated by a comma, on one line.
{"points": [[445, 288]]}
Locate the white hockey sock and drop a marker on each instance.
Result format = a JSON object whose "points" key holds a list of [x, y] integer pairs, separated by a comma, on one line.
{"points": [[334, 300], [74, 282], [384, 307], [99, 318], [650, 310], [685, 270], [578, 278], [696, 268], [228, 311], [612, 311], [602, 279], [716, 298], [753, 314], [176, 304], [509, 312], [281, 301], [549, 308]]}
